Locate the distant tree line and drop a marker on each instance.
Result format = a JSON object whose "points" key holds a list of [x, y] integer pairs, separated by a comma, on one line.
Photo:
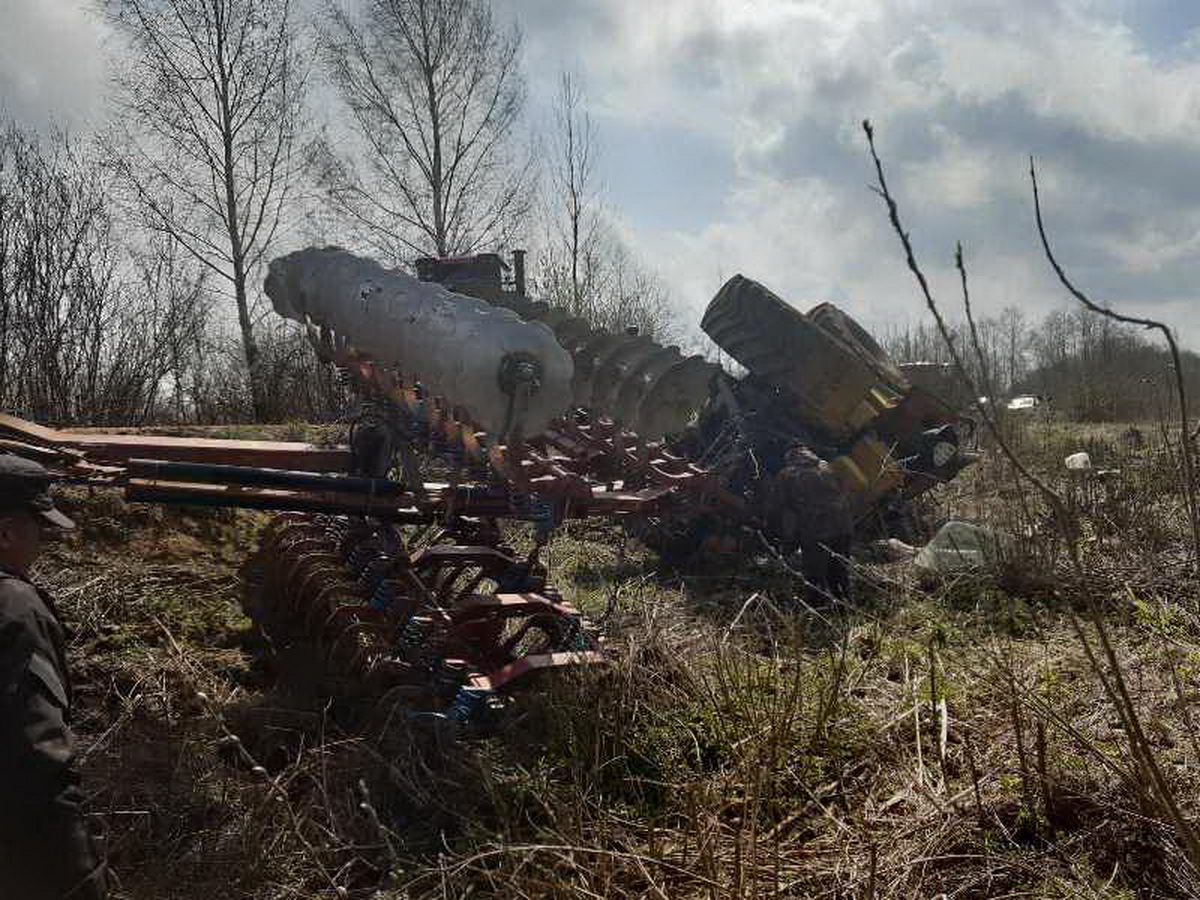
{"points": [[1088, 367], [131, 258]]}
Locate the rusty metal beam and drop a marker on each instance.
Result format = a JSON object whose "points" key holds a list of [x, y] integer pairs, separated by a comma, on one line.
{"points": [[144, 490], [120, 448], [504, 678]]}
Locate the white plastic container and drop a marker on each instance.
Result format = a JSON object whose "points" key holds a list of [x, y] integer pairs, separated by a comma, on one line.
{"points": [[1077, 462], [961, 545]]}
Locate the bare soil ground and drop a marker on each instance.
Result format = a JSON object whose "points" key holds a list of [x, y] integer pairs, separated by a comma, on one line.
{"points": [[960, 738]]}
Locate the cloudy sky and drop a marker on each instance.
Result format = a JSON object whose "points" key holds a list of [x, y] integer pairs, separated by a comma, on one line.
{"points": [[732, 142], [731, 137]]}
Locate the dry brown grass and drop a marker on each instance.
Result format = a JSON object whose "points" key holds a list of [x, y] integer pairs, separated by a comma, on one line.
{"points": [[932, 739]]}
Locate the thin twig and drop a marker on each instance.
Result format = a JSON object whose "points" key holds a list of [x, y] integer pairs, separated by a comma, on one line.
{"points": [[1185, 438], [1051, 497], [1115, 689]]}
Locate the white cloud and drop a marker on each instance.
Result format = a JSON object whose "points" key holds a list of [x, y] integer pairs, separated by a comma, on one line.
{"points": [[51, 60], [960, 177], [1105, 93]]}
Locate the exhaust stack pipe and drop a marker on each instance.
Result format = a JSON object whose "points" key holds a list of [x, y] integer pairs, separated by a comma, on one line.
{"points": [[519, 272]]}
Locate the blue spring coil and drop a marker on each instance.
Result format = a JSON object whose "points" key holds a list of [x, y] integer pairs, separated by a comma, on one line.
{"points": [[371, 572], [575, 639], [384, 596], [468, 703], [357, 556], [411, 636], [544, 517], [413, 644]]}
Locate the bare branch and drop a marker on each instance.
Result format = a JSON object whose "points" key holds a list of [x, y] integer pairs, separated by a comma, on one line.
{"points": [[435, 94], [1185, 439], [1051, 497], [214, 95]]}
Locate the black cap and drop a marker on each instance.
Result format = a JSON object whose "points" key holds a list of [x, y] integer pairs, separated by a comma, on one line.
{"points": [[25, 484]]}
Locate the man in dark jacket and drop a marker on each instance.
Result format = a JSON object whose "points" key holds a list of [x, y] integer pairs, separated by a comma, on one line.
{"points": [[45, 847]]}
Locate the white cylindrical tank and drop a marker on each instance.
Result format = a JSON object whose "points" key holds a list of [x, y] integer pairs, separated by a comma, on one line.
{"points": [[456, 346]]}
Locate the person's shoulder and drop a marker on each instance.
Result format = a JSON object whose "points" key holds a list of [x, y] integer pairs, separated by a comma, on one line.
{"points": [[15, 586], [19, 600]]}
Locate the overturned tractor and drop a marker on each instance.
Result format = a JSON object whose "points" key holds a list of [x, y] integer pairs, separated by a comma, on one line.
{"points": [[481, 406], [814, 380]]}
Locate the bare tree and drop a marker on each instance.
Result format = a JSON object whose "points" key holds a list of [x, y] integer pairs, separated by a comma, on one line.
{"points": [[626, 294], [584, 265], [85, 336], [435, 94], [574, 183], [1014, 336], [56, 266], [210, 106], [151, 339]]}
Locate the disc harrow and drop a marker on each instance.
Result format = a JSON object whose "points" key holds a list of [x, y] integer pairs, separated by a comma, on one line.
{"points": [[446, 630]]}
